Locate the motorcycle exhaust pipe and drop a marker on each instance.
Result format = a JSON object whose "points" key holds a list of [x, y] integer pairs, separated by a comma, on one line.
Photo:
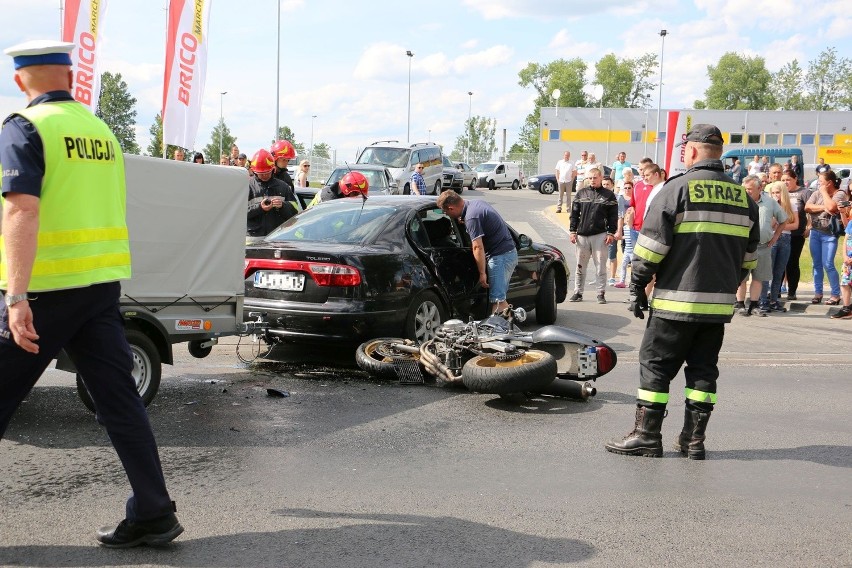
{"points": [[434, 366], [570, 389]]}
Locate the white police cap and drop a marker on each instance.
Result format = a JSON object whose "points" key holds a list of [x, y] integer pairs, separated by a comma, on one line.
{"points": [[40, 52]]}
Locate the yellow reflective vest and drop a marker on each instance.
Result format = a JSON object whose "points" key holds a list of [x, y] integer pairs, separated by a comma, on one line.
{"points": [[82, 233]]}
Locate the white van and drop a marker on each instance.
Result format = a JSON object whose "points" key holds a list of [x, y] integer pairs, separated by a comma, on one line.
{"points": [[400, 159], [498, 174]]}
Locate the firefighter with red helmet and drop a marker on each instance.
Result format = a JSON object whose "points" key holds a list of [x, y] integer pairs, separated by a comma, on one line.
{"points": [[282, 152], [270, 200], [352, 184]]}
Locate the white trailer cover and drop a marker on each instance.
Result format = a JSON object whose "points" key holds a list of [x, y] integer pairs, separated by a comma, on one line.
{"points": [[187, 225]]}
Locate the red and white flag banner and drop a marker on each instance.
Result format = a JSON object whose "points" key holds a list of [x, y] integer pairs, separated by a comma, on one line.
{"points": [[186, 70], [81, 26]]}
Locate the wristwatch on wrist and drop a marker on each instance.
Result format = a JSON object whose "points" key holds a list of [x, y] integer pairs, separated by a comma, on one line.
{"points": [[12, 299]]}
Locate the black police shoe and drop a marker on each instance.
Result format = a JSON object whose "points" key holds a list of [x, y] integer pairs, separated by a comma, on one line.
{"points": [[129, 533]]}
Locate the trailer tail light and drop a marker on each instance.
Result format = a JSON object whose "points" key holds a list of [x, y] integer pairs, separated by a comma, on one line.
{"points": [[606, 359], [323, 273]]}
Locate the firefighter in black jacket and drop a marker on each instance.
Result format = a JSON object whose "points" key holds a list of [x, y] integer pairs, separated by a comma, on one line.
{"points": [[699, 238], [270, 201], [282, 152]]}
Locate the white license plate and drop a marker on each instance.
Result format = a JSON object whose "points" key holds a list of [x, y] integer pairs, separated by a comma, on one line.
{"points": [[277, 280]]}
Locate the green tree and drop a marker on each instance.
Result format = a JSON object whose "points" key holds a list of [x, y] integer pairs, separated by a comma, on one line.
{"points": [[284, 133], [321, 150], [211, 151], [478, 143], [823, 78], [115, 107], [739, 82], [155, 146], [788, 87], [626, 82], [567, 75]]}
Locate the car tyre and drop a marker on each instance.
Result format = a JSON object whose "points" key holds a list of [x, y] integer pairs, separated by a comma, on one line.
{"points": [[406, 190], [147, 369], [515, 185], [547, 187], [491, 185], [377, 357], [472, 185], [534, 370], [425, 314], [438, 188], [545, 299]]}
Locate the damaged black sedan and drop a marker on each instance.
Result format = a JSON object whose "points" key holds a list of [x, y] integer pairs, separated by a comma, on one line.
{"points": [[353, 269]]}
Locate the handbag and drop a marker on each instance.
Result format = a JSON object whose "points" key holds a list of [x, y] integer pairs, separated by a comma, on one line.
{"points": [[835, 226]]}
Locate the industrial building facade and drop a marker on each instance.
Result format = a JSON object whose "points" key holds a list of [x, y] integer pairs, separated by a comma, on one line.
{"points": [[606, 132]]}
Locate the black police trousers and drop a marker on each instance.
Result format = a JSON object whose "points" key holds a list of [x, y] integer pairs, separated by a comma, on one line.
{"points": [[88, 324], [668, 344]]}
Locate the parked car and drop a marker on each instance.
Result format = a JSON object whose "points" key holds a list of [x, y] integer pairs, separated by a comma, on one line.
{"points": [[355, 269], [498, 174], [842, 175], [379, 177], [452, 177], [468, 173], [400, 159], [546, 183]]}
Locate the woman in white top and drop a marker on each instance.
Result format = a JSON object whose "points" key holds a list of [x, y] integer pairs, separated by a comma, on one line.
{"points": [[302, 176], [781, 248]]}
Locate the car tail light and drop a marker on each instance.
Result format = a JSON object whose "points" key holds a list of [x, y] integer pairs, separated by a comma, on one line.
{"points": [[606, 359], [323, 273]]}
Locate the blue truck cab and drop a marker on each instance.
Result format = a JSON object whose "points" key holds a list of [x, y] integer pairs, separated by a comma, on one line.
{"points": [[747, 153]]}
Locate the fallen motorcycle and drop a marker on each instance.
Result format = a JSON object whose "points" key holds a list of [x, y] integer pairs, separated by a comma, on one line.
{"points": [[494, 356]]}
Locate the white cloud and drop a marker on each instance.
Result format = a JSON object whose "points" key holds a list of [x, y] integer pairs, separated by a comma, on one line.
{"points": [[488, 58], [470, 44]]}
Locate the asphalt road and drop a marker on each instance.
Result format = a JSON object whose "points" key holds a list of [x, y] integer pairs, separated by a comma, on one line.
{"points": [[353, 472]]}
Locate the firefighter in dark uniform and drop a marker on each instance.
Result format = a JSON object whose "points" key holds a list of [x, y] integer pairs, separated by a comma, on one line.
{"points": [[352, 184], [282, 152], [270, 200], [64, 249], [699, 238]]}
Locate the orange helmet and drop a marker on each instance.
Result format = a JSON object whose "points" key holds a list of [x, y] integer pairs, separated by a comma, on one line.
{"points": [[262, 162], [283, 149], [354, 183]]}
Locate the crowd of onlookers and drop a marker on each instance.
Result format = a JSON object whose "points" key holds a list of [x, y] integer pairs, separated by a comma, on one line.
{"points": [[790, 215]]}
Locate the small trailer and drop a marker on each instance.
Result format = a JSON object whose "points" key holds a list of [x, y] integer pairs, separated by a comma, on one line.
{"points": [[187, 227]]}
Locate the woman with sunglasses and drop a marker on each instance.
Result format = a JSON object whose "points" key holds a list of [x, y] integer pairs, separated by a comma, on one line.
{"points": [[302, 176], [781, 248]]}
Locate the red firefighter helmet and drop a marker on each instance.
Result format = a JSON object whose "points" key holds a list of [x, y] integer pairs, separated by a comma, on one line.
{"points": [[283, 149], [262, 162], [353, 183]]}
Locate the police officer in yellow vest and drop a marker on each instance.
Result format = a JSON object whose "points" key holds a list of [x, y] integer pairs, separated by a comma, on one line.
{"points": [[64, 247]]}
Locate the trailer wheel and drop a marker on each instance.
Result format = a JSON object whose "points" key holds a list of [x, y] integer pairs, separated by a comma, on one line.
{"points": [[147, 369], [199, 352], [533, 371]]}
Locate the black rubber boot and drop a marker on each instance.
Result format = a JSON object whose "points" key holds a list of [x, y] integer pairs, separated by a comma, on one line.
{"points": [[691, 440], [645, 439]]}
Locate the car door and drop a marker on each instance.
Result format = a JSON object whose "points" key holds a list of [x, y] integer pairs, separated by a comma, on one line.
{"points": [[450, 258], [523, 285], [500, 175]]}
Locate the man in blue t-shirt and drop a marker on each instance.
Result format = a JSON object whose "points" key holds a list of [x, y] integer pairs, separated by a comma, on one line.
{"points": [[493, 246]]}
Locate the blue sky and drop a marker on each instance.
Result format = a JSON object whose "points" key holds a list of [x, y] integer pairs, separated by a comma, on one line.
{"points": [[345, 62]]}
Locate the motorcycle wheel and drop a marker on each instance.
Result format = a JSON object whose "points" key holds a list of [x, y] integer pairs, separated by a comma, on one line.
{"points": [[377, 356], [533, 371]]}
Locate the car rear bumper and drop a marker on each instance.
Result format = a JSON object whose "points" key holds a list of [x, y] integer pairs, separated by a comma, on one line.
{"points": [[348, 322]]}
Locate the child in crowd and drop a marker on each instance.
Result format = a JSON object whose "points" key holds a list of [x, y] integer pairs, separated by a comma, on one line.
{"points": [[628, 249]]}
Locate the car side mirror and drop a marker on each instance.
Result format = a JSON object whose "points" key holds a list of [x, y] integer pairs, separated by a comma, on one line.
{"points": [[524, 241]]}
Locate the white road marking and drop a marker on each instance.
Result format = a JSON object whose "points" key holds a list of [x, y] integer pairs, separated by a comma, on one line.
{"points": [[527, 229]]}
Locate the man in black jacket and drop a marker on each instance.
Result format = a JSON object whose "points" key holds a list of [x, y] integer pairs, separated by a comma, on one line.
{"points": [[270, 201], [594, 221]]}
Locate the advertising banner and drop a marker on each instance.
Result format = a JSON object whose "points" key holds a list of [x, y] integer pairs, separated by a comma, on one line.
{"points": [[80, 26], [678, 124], [185, 70]]}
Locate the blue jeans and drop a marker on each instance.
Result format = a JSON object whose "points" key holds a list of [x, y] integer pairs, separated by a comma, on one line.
{"points": [[500, 269], [823, 248], [780, 255]]}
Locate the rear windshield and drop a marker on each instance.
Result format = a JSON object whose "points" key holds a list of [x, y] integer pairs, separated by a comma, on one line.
{"points": [[388, 157], [346, 220]]}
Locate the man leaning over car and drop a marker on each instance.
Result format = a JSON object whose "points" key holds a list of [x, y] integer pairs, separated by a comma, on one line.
{"points": [[492, 243]]}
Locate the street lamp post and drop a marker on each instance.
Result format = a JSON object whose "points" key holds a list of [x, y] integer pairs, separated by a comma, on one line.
{"points": [[311, 153], [410, 55], [469, 126], [663, 34], [221, 125]]}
